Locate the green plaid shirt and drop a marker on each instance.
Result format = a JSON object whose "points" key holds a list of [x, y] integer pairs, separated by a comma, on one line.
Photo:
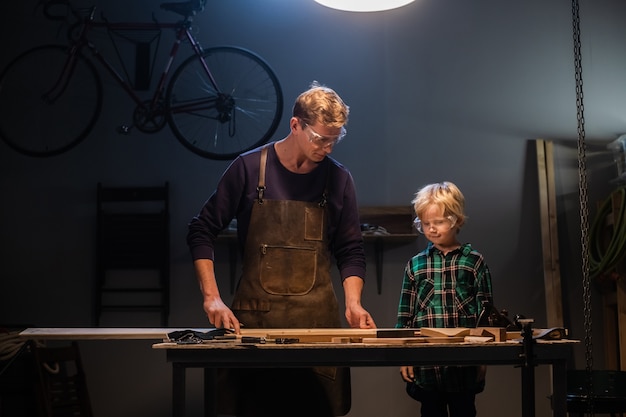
{"points": [[445, 291]]}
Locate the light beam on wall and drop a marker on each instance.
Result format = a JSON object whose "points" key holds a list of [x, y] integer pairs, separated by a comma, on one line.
{"points": [[364, 5]]}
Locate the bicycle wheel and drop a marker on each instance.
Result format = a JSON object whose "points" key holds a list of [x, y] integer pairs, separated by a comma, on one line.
{"points": [[48, 108], [220, 124]]}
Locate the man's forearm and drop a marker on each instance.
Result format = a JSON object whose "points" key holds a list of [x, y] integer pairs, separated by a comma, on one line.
{"points": [[353, 287], [205, 273]]}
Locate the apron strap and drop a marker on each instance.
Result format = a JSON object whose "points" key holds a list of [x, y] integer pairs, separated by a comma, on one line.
{"points": [[260, 188], [324, 199], [261, 184]]}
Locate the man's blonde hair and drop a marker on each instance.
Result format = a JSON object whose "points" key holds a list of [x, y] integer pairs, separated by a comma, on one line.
{"points": [[321, 104], [443, 194]]}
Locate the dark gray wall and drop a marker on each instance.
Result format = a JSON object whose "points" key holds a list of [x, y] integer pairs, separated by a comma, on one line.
{"points": [[439, 90]]}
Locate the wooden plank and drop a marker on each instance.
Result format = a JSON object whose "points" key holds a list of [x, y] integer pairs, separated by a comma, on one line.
{"points": [[94, 333], [447, 339], [611, 339], [478, 339], [497, 333], [620, 292], [311, 335], [392, 333], [549, 233], [443, 332], [316, 331], [621, 321], [394, 341]]}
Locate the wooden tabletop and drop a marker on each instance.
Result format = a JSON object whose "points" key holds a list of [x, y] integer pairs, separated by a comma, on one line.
{"points": [[98, 333], [139, 333]]}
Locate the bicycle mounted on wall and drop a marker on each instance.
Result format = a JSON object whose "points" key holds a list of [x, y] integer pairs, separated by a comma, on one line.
{"points": [[219, 102]]}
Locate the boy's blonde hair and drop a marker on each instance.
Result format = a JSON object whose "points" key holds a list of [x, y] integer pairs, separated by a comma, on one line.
{"points": [[321, 104], [443, 194]]}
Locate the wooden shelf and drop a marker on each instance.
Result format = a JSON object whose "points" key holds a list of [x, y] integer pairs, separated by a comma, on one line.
{"points": [[399, 238], [397, 221]]}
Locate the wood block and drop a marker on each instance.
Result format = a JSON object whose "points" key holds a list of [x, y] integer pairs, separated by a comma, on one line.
{"points": [[479, 331], [392, 333], [443, 332], [445, 339], [513, 335], [478, 339], [536, 333], [498, 333]]}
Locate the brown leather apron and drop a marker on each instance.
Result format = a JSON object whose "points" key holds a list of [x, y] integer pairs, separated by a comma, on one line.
{"points": [[286, 283]]}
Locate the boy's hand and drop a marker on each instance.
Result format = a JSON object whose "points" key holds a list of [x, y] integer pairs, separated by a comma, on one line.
{"points": [[407, 374]]}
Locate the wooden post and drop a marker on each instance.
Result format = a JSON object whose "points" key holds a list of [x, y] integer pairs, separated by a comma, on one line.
{"points": [[549, 234], [614, 299]]}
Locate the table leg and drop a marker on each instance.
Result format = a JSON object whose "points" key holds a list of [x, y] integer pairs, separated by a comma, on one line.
{"points": [[178, 390], [528, 391], [559, 389], [210, 392], [528, 369]]}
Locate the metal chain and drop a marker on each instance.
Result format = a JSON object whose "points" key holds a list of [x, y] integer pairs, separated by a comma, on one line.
{"points": [[584, 204]]}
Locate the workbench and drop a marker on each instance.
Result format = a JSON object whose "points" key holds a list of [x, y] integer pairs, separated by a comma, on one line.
{"points": [[211, 356], [222, 355]]}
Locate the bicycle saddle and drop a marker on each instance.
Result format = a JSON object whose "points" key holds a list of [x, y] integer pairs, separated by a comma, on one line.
{"points": [[185, 9]]}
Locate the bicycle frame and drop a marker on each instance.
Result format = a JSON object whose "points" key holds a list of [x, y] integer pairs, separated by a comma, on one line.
{"points": [[213, 122], [182, 33]]}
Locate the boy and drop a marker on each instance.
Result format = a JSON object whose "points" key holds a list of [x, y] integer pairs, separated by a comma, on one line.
{"points": [[443, 286]]}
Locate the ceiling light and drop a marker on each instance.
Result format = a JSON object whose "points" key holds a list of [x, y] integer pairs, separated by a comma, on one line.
{"points": [[364, 5]]}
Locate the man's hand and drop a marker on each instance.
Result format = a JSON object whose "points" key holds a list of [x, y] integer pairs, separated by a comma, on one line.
{"points": [[220, 315], [359, 318], [356, 315]]}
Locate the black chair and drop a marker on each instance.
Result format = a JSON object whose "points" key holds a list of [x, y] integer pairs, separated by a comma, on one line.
{"points": [[133, 245], [608, 395], [61, 387]]}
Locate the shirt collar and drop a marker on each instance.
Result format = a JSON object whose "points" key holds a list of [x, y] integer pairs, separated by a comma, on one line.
{"points": [[465, 249]]}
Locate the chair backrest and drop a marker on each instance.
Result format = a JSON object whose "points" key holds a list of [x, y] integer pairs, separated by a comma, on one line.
{"points": [[133, 226], [132, 251], [62, 386]]}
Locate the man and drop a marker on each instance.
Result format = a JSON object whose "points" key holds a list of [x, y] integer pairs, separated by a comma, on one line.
{"points": [[295, 208]]}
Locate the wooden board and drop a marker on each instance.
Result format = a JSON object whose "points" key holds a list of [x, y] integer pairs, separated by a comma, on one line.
{"points": [[310, 335], [443, 332], [393, 333], [478, 339], [549, 238], [400, 340], [445, 339], [70, 333], [394, 341], [104, 333], [498, 333], [303, 335]]}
